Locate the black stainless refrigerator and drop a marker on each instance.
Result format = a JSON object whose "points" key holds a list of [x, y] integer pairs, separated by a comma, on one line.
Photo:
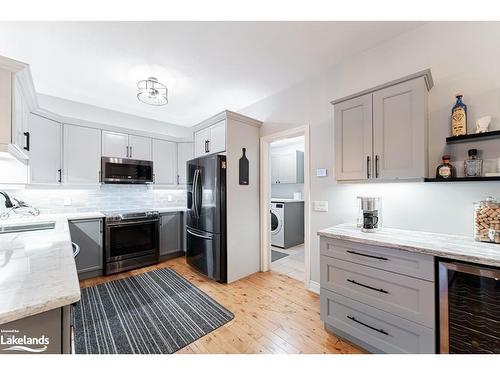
{"points": [[206, 216]]}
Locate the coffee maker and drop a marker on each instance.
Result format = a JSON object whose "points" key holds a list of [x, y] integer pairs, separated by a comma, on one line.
{"points": [[369, 218]]}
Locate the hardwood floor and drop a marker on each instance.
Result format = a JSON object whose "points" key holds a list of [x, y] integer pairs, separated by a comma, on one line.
{"points": [[273, 314]]}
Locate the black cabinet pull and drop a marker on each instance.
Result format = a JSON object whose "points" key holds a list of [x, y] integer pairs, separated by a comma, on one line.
{"points": [[60, 174], [367, 167], [376, 166], [366, 255], [206, 146], [366, 325], [368, 286], [27, 135]]}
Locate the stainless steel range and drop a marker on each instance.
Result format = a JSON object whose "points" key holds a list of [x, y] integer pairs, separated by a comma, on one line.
{"points": [[131, 240]]}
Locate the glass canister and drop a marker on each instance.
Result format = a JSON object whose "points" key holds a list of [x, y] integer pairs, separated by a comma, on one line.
{"points": [[487, 220]]}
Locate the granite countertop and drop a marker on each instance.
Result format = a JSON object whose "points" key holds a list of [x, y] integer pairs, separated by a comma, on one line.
{"points": [[436, 244], [37, 268]]}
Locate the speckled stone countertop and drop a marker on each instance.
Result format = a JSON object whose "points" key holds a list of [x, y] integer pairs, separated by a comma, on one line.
{"points": [[436, 244], [37, 268]]}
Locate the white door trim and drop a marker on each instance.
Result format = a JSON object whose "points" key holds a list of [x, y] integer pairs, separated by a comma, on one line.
{"points": [[265, 197]]}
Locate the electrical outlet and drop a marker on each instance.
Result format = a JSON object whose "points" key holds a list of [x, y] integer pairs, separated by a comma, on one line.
{"points": [[169, 198], [67, 201]]}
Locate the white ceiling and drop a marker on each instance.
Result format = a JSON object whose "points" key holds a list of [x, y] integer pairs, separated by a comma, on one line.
{"points": [[207, 66]]}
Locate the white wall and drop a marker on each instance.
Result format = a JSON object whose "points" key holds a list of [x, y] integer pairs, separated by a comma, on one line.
{"points": [[81, 111], [463, 57]]}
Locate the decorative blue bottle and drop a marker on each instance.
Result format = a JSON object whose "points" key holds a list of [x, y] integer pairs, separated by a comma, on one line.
{"points": [[459, 117]]}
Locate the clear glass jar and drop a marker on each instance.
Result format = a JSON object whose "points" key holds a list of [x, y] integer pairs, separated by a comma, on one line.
{"points": [[487, 220]]}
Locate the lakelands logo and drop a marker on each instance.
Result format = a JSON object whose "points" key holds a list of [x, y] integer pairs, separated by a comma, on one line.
{"points": [[22, 343]]}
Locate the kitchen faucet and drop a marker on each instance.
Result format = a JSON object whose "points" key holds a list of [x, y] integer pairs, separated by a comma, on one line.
{"points": [[8, 202]]}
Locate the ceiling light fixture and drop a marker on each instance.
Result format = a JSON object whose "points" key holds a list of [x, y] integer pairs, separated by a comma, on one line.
{"points": [[152, 92]]}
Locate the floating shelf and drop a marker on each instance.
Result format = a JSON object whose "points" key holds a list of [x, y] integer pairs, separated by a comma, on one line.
{"points": [[473, 137], [462, 179]]}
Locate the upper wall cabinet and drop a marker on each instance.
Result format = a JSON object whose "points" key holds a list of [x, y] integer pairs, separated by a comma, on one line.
{"points": [[120, 145], [184, 154], [164, 162], [210, 140], [17, 99], [381, 133], [287, 168], [81, 155], [45, 150]]}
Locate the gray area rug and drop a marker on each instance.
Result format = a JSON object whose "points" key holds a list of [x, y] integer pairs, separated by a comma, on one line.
{"points": [[276, 255], [157, 312]]}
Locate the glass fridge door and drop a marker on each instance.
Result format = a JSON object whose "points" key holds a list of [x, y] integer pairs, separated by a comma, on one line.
{"points": [[469, 308]]}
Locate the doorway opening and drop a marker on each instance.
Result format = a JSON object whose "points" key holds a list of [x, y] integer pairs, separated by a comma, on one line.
{"points": [[285, 186]]}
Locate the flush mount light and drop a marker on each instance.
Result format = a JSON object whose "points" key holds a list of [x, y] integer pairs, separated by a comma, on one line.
{"points": [[152, 92]]}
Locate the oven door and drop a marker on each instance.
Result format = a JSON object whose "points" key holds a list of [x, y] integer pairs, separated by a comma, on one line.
{"points": [[132, 239], [126, 171]]}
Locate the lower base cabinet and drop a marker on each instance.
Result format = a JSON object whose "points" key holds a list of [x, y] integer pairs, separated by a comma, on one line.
{"points": [[88, 235], [171, 234], [49, 332], [380, 299]]}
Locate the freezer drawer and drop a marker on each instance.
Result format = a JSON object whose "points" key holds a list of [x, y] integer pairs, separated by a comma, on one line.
{"points": [[206, 253]]}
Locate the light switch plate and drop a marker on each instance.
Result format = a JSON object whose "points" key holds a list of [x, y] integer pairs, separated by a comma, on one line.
{"points": [[169, 198], [321, 206], [321, 172]]}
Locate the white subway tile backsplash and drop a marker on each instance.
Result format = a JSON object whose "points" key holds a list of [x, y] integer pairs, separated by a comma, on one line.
{"points": [[103, 198]]}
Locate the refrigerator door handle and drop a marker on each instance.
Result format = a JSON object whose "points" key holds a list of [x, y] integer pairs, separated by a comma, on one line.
{"points": [[199, 235], [195, 193]]}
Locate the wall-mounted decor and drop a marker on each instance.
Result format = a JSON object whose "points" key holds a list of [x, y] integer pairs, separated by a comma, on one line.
{"points": [[244, 168]]}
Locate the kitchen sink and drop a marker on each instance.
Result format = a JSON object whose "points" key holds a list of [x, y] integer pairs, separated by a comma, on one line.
{"points": [[28, 227]]}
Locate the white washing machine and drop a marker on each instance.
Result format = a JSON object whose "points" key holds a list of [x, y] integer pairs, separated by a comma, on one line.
{"points": [[277, 230]]}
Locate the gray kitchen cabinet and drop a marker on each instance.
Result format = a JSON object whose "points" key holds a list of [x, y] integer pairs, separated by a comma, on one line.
{"points": [[287, 168], [53, 327], [353, 138], [381, 133], [378, 298], [171, 234], [87, 234], [400, 130]]}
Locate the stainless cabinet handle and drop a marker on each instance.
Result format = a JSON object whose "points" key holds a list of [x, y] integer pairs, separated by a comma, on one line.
{"points": [[368, 167], [154, 178], [368, 286], [130, 151], [178, 180], [376, 166], [60, 175], [366, 325], [127, 150]]}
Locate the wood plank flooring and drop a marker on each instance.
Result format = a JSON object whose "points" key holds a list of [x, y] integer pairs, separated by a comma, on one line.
{"points": [[273, 314]]}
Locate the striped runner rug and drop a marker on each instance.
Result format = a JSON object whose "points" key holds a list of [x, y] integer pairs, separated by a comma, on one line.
{"points": [[157, 312]]}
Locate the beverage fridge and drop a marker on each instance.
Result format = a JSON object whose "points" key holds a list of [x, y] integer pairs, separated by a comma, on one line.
{"points": [[469, 311], [206, 216]]}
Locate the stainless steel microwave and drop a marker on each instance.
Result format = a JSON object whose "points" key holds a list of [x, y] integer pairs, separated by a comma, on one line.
{"points": [[126, 171]]}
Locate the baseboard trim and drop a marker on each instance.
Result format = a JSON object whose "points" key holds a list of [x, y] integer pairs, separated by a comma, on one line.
{"points": [[314, 286]]}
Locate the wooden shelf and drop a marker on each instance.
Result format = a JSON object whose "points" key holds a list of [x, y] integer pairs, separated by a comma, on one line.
{"points": [[462, 179], [473, 137]]}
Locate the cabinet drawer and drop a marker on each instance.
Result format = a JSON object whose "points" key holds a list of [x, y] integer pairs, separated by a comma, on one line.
{"points": [[404, 296], [394, 260], [373, 328]]}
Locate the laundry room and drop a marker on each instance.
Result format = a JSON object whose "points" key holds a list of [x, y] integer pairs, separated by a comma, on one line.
{"points": [[287, 207]]}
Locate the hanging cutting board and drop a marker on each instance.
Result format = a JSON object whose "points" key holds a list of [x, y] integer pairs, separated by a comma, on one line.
{"points": [[244, 168]]}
